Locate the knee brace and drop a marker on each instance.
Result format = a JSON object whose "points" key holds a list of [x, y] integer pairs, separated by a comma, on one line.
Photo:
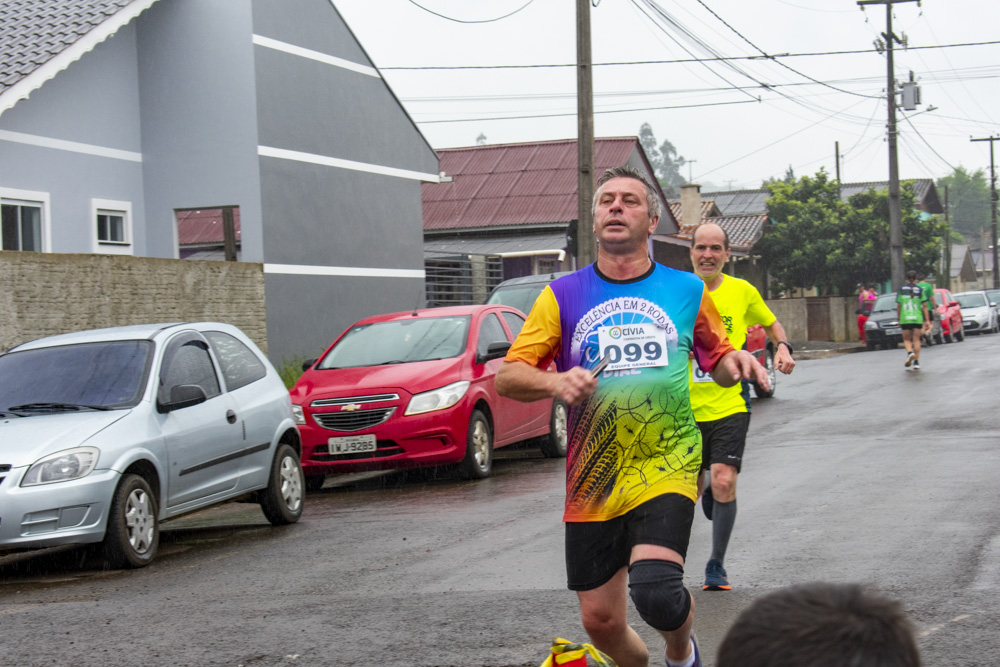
{"points": [[657, 590]]}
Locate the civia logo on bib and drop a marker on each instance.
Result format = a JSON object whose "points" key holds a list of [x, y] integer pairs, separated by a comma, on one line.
{"points": [[613, 316]]}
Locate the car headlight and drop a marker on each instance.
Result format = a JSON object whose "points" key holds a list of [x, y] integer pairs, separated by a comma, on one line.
{"points": [[438, 399], [871, 325], [298, 414], [62, 466]]}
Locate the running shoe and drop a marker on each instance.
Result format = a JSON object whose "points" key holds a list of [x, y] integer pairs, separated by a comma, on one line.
{"points": [[916, 364], [910, 359], [715, 577], [697, 653], [707, 502]]}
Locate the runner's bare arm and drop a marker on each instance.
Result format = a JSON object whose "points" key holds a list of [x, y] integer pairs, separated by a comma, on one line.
{"points": [[782, 357], [740, 365], [523, 382]]}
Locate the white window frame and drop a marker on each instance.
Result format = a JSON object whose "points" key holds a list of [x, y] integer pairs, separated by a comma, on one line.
{"points": [[32, 197], [112, 206]]}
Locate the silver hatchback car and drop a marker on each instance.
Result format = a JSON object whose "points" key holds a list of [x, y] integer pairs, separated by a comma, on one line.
{"points": [[105, 433]]}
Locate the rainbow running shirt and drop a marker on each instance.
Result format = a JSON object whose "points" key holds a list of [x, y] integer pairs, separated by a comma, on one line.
{"points": [[636, 437]]}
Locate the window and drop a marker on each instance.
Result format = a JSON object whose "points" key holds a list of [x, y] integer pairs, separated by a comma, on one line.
{"points": [[112, 226], [22, 225], [490, 331], [514, 322], [185, 362], [240, 366]]}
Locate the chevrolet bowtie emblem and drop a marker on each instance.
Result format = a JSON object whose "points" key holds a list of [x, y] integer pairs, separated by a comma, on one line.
{"points": [[350, 407]]}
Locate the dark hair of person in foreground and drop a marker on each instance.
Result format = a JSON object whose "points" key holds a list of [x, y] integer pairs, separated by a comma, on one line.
{"points": [[821, 625]]}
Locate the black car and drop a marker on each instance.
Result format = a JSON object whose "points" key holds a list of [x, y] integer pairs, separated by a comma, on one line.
{"points": [[521, 292], [882, 328]]}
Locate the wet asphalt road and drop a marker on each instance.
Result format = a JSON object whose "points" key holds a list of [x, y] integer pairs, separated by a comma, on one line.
{"points": [[858, 470]]}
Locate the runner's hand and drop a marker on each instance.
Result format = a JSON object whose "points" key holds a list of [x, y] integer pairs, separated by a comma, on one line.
{"points": [[575, 385], [783, 360]]}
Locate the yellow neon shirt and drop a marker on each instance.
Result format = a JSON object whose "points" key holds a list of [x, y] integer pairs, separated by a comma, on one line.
{"points": [[740, 306]]}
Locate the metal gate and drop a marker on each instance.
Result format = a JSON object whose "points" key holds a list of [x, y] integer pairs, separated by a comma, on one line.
{"points": [[459, 280]]}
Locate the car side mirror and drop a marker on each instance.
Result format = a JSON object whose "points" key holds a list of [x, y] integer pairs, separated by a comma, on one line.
{"points": [[953, 304], [307, 364], [183, 396], [496, 350], [993, 303]]}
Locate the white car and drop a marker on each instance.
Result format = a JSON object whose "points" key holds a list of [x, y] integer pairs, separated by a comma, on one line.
{"points": [[106, 433], [979, 315]]}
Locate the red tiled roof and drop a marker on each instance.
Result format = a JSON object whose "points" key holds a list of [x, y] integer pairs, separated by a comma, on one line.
{"points": [[203, 226], [511, 185]]}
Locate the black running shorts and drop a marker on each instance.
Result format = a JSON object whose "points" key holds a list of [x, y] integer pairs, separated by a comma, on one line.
{"points": [[597, 550], [911, 326], [723, 440]]}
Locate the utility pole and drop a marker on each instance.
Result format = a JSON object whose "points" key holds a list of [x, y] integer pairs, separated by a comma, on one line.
{"points": [[586, 253], [836, 157], [993, 211], [895, 217], [689, 163], [947, 242]]}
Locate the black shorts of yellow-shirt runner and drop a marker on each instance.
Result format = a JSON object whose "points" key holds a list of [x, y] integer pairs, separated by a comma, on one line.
{"points": [[597, 550], [723, 440]]}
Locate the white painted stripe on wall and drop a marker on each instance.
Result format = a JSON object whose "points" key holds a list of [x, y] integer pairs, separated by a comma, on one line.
{"points": [[75, 147], [348, 271], [312, 158], [285, 47]]}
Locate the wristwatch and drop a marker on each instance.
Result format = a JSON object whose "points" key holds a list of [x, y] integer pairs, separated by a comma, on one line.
{"points": [[788, 345]]}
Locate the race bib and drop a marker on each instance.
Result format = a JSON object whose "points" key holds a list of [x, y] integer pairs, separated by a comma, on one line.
{"points": [[633, 345], [698, 375]]}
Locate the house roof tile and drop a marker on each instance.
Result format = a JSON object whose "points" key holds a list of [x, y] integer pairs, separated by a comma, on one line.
{"points": [[36, 33], [510, 185], [203, 226]]}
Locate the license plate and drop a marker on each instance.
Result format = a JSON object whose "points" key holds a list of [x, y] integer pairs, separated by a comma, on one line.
{"points": [[892, 331], [968, 323], [352, 444]]}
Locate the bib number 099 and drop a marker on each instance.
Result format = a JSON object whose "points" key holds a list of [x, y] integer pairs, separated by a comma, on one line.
{"points": [[633, 352]]}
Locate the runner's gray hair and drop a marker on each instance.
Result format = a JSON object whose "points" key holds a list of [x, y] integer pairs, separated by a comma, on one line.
{"points": [[652, 201]]}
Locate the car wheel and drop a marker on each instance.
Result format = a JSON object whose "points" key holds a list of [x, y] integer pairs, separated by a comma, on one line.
{"points": [[771, 376], [871, 345], [478, 461], [133, 533], [556, 443], [282, 500], [314, 483], [960, 334], [939, 338]]}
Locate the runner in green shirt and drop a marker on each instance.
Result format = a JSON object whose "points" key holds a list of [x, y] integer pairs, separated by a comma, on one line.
{"points": [[928, 290], [911, 308]]}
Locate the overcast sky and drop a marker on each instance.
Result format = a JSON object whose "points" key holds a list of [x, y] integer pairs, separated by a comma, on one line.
{"points": [[733, 140]]}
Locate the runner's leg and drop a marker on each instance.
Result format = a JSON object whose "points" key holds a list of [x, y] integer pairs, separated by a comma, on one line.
{"points": [[604, 611]]}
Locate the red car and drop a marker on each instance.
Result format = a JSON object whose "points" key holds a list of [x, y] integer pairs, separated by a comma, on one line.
{"points": [[950, 315], [415, 389]]}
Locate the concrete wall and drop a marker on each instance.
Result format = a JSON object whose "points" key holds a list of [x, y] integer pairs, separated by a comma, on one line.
{"points": [[792, 315], [46, 294]]}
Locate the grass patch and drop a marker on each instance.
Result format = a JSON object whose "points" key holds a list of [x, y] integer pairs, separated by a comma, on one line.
{"points": [[290, 370]]}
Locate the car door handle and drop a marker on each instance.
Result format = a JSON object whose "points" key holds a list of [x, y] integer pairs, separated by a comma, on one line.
{"points": [[230, 416]]}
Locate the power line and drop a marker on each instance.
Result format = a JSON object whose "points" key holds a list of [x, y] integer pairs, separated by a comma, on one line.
{"points": [[449, 18], [559, 115], [683, 60]]}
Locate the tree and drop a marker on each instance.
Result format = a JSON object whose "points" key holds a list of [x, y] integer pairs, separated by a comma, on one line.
{"points": [[789, 178], [968, 201], [815, 239], [664, 160]]}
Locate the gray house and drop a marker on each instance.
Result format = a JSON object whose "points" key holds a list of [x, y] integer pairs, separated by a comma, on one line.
{"points": [[117, 116]]}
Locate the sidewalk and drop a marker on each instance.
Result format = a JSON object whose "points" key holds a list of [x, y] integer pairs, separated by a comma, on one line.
{"points": [[823, 349]]}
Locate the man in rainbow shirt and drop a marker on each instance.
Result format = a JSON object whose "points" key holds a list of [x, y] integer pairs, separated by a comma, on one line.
{"points": [[634, 447]]}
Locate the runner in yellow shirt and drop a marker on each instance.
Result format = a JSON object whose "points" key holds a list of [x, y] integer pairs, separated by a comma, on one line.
{"points": [[723, 413]]}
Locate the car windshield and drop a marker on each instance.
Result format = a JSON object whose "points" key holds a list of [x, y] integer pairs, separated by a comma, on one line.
{"points": [[521, 297], [973, 300], [73, 377], [993, 295], [885, 302], [399, 342]]}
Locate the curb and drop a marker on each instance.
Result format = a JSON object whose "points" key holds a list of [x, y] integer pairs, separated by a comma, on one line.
{"points": [[805, 355]]}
